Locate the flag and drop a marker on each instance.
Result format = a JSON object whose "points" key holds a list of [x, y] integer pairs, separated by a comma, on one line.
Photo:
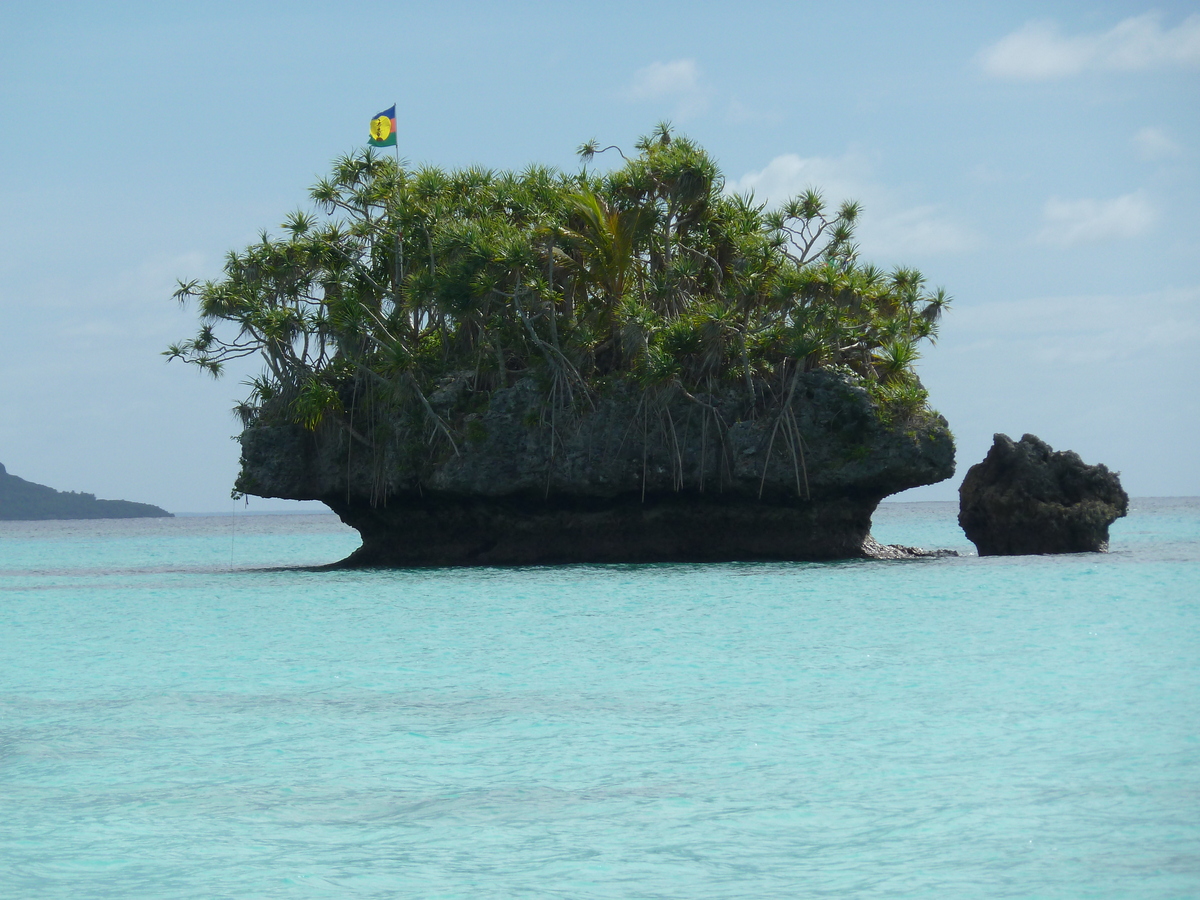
{"points": [[383, 128]]}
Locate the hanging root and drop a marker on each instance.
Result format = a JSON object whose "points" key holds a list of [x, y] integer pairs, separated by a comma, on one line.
{"points": [[794, 440], [708, 410]]}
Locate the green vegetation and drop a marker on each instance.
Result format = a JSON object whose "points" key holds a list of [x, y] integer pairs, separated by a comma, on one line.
{"points": [[404, 284]]}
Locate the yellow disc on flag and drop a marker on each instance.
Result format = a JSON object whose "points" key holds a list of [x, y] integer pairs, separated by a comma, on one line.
{"points": [[381, 127]]}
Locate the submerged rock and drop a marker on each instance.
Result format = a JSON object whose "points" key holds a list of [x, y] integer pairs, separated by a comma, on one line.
{"points": [[1025, 498], [628, 478]]}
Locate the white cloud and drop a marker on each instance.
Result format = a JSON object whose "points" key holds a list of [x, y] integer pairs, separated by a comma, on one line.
{"points": [[661, 79], [1038, 52], [1069, 222], [917, 230], [790, 174], [889, 226], [1082, 330], [1154, 143], [678, 81]]}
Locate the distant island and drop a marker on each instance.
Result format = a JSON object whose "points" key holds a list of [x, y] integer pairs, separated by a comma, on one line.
{"points": [[21, 499]]}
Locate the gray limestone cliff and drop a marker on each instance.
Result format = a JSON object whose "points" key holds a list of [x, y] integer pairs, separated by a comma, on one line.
{"points": [[630, 478]]}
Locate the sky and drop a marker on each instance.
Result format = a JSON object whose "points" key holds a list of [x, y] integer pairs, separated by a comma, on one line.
{"points": [[1041, 161]]}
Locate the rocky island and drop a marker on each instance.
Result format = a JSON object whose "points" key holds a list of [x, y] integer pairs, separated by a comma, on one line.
{"points": [[1027, 498], [25, 500], [494, 368]]}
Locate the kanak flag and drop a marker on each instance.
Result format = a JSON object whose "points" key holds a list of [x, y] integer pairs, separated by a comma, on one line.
{"points": [[383, 128]]}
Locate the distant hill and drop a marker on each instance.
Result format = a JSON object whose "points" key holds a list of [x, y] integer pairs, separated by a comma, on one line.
{"points": [[21, 499]]}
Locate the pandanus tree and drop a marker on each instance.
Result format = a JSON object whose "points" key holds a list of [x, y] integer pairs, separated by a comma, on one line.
{"points": [[403, 281]]}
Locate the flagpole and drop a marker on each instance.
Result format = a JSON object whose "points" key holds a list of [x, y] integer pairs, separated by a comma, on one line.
{"points": [[399, 237]]}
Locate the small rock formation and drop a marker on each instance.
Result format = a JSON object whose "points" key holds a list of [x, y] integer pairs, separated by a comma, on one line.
{"points": [[25, 500], [686, 479], [872, 549], [1024, 498]]}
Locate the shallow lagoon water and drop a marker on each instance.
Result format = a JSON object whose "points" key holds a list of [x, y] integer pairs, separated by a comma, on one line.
{"points": [[188, 710]]}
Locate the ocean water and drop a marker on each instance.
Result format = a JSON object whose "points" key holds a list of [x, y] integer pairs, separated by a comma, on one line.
{"points": [[188, 709]]}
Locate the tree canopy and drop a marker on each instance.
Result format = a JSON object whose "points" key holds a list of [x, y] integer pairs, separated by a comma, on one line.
{"points": [[400, 280]]}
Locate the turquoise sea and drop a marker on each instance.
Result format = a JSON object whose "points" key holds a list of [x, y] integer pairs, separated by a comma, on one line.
{"points": [[189, 709]]}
